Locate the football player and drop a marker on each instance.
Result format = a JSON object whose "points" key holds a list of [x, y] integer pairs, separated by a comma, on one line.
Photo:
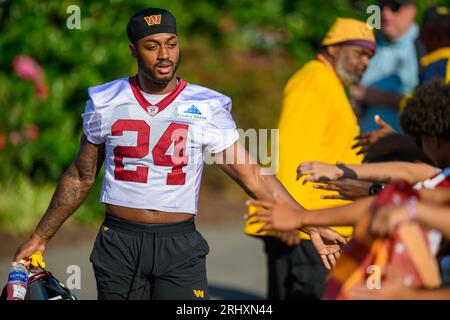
{"points": [[151, 131]]}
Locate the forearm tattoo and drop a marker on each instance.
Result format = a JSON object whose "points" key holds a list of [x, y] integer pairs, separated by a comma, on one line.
{"points": [[73, 188]]}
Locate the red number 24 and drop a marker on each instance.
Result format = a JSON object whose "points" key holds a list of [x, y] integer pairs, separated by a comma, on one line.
{"points": [[175, 132]]}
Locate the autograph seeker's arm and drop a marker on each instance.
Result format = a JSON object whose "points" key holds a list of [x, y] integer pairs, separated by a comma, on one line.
{"points": [[235, 161], [431, 215], [347, 189], [375, 96], [280, 215], [72, 189], [436, 196], [381, 172]]}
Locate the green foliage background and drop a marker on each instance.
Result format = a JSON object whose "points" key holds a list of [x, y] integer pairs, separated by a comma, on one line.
{"points": [[246, 49]]}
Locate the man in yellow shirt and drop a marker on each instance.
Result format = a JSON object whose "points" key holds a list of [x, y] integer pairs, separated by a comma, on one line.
{"points": [[317, 123]]}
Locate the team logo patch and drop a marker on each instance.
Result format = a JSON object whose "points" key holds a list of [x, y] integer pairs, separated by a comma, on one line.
{"points": [[153, 19], [193, 111], [152, 110], [199, 293]]}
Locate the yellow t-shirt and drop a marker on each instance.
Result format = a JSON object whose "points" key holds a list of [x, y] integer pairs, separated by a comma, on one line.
{"points": [[317, 123]]}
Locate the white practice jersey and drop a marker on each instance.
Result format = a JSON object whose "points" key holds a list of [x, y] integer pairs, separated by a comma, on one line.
{"points": [[154, 154]]}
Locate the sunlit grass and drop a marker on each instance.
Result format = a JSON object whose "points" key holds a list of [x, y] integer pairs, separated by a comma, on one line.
{"points": [[23, 203]]}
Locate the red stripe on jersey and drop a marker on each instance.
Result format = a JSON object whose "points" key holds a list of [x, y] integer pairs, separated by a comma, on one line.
{"points": [[144, 103]]}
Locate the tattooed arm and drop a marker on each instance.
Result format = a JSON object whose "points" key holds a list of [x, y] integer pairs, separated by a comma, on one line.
{"points": [[73, 188]]}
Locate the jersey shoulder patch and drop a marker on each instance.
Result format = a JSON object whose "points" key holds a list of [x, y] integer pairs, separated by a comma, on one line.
{"points": [[219, 105]]}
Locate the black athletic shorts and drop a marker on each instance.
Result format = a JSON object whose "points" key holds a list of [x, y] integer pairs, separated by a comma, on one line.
{"points": [[142, 261]]}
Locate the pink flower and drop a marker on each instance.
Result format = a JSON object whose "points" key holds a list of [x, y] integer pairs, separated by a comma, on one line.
{"points": [[28, 69]]}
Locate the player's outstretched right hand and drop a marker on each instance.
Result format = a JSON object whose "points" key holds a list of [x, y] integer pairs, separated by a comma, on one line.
{"points": [[36, 243]]}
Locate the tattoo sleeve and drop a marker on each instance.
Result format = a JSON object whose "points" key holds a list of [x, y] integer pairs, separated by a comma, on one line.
{"points": [[72, 189]]}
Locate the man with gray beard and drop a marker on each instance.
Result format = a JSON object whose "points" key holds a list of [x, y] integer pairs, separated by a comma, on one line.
{"points": [[317, 123]]}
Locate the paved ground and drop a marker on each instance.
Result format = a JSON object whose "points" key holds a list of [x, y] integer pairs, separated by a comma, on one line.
{"points": [[236, 264]]}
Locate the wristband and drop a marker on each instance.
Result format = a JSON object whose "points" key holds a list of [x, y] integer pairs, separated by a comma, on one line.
{"points": [[375, 188]]}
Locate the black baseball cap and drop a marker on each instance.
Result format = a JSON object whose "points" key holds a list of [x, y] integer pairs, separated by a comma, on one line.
{"points": [[150, 21], [439, 14]]}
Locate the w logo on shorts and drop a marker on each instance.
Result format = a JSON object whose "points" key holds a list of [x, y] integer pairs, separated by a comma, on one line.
{"points": [[199, 293], [154, 19]]}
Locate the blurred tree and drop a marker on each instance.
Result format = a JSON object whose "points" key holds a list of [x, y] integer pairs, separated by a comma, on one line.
{"points": [[246, 49]]}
